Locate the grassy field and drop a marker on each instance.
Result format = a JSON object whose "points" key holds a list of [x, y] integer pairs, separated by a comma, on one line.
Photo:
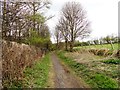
{"points": [[37, 76], [108, 46], [96, 71]]}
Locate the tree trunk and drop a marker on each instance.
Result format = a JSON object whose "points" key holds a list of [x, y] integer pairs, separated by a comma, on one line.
{"points": [[111, 45], [57, 45], [34, 16], [71, 46], [4, 29], [72, 39], [66, 44], [19, 39]]}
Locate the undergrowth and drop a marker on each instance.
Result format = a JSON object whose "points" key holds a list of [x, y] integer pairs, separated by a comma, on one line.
{"points": [[112, 61], [94, 79], [37, 76]]}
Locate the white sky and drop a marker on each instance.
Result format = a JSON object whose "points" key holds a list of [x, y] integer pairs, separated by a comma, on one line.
{"points": [[103, 15]]}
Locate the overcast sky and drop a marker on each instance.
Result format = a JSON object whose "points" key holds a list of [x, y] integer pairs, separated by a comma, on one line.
{"points": [[103, 15]]}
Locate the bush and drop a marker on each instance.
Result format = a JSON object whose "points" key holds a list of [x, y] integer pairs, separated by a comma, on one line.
{"points": [[81, 44]]}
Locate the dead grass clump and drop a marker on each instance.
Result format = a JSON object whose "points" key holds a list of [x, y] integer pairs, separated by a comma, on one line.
{"points": [[102, 52], [94, 51], [109, 53], [118, 54], [83, 51]]}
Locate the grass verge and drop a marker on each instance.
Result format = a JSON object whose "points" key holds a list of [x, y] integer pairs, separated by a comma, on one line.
{"points": [[37, 76], [112, 61], [94, 79]]}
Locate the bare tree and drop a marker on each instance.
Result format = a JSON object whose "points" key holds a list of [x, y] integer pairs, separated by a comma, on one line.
{"points": [[96, 41], [63, 28], [58, 36], [10, 19], [77, 23]]}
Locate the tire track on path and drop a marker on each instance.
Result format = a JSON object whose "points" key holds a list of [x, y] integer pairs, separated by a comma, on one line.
{"points": [[63, 78]]}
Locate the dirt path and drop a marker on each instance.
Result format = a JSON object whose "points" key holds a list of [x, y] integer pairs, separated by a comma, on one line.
{"points": [[0, 74], [63, 77]]}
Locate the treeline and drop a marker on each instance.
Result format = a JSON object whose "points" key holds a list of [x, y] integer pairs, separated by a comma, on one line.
{"points": [[110, 39], [25, 22], [101, 41]]}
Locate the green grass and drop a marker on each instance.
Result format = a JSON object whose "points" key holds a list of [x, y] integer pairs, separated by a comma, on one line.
{"points": [[94, 79], [37, 76], [112, 61], [102, 81], [108, 46]]}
